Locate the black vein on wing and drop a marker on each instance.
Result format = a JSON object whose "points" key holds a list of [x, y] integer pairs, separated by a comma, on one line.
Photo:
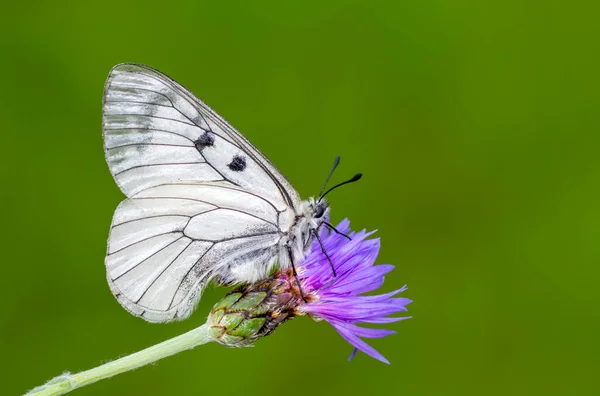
{"points": [[144, 260], [210, 185], [190, 218], [148, 129], [143, 240], [150, 144], [141, 103], [153, 116], [240, 237], [221, 174], [186, 224], [200, 259], [201, 213], [161, 164], [157, 216], [186, 275], [164, 270], [115, 85]]}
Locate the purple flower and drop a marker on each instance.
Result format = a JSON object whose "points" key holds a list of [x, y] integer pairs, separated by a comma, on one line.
{"points": [[338, 300]]}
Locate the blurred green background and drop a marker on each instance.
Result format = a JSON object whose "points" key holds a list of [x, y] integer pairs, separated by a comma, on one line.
{"points": [[476, 125]]}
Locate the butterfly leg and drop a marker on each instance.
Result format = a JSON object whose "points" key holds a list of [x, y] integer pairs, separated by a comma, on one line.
{"points": [[291, 257], [316, 234]]}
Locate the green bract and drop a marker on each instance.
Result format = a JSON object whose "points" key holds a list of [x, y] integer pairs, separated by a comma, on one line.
{"points": [[252, 311]]}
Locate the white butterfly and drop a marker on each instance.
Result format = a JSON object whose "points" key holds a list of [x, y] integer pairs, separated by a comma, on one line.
{"points": [[202, 202]]}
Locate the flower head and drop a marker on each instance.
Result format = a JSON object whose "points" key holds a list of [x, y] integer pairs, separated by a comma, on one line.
{"points": [[252, 311], [338, 299]]}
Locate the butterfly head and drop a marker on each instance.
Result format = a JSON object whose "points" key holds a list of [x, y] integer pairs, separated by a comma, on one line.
{"points": [[315, 214], [318, 211]]}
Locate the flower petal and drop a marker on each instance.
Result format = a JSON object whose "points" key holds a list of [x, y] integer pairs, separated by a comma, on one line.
{"points": [[359, 344], [339, 299], [361, 281], [377, 320], [353, 354], [365, 331]]}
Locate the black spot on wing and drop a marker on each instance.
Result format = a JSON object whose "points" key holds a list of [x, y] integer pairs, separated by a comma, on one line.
{"points": [[207, 139], [238, 163]]}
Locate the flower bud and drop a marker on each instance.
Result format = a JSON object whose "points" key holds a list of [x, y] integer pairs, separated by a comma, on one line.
{"points": [[252, 311]]}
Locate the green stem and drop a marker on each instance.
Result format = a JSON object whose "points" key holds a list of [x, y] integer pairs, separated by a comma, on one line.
{"points": [[68, 382]]}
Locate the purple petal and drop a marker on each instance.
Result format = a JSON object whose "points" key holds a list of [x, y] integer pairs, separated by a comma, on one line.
{"points": [[383, 297], [385, 320], [340, 301], [353, 354], [359, 344], [366, 332], [362, 281], [353, 311]]}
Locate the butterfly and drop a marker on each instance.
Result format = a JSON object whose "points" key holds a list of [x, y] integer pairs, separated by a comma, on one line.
{"points": [[202, 203]]}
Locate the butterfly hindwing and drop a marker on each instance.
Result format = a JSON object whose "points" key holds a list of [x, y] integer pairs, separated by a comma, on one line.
{"points": [[166, 243]]}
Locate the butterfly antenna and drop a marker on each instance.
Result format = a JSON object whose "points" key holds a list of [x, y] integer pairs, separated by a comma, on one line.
{"points": [[336, 162], [325, 252], [332, 228], [354, 179]]}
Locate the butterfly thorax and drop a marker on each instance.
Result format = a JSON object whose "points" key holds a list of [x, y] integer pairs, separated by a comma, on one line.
{"points": [[302, 229]]}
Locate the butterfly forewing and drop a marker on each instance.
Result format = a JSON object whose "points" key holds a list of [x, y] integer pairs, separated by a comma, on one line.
{"points": [[203, 202], [157, 132]]}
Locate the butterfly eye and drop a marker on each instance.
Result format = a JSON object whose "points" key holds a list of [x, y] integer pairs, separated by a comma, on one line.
{"points": [[319, 211]]}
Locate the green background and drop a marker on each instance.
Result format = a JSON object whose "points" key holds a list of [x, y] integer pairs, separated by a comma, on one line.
{"points": [[475, 123]]}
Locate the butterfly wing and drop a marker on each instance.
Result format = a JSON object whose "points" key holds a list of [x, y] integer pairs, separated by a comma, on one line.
{"points": [[203, 202], [157, 132], [169, 241]]}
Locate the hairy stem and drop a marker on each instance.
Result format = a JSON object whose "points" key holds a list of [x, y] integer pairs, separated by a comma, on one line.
{"points": [[68, 382]]}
